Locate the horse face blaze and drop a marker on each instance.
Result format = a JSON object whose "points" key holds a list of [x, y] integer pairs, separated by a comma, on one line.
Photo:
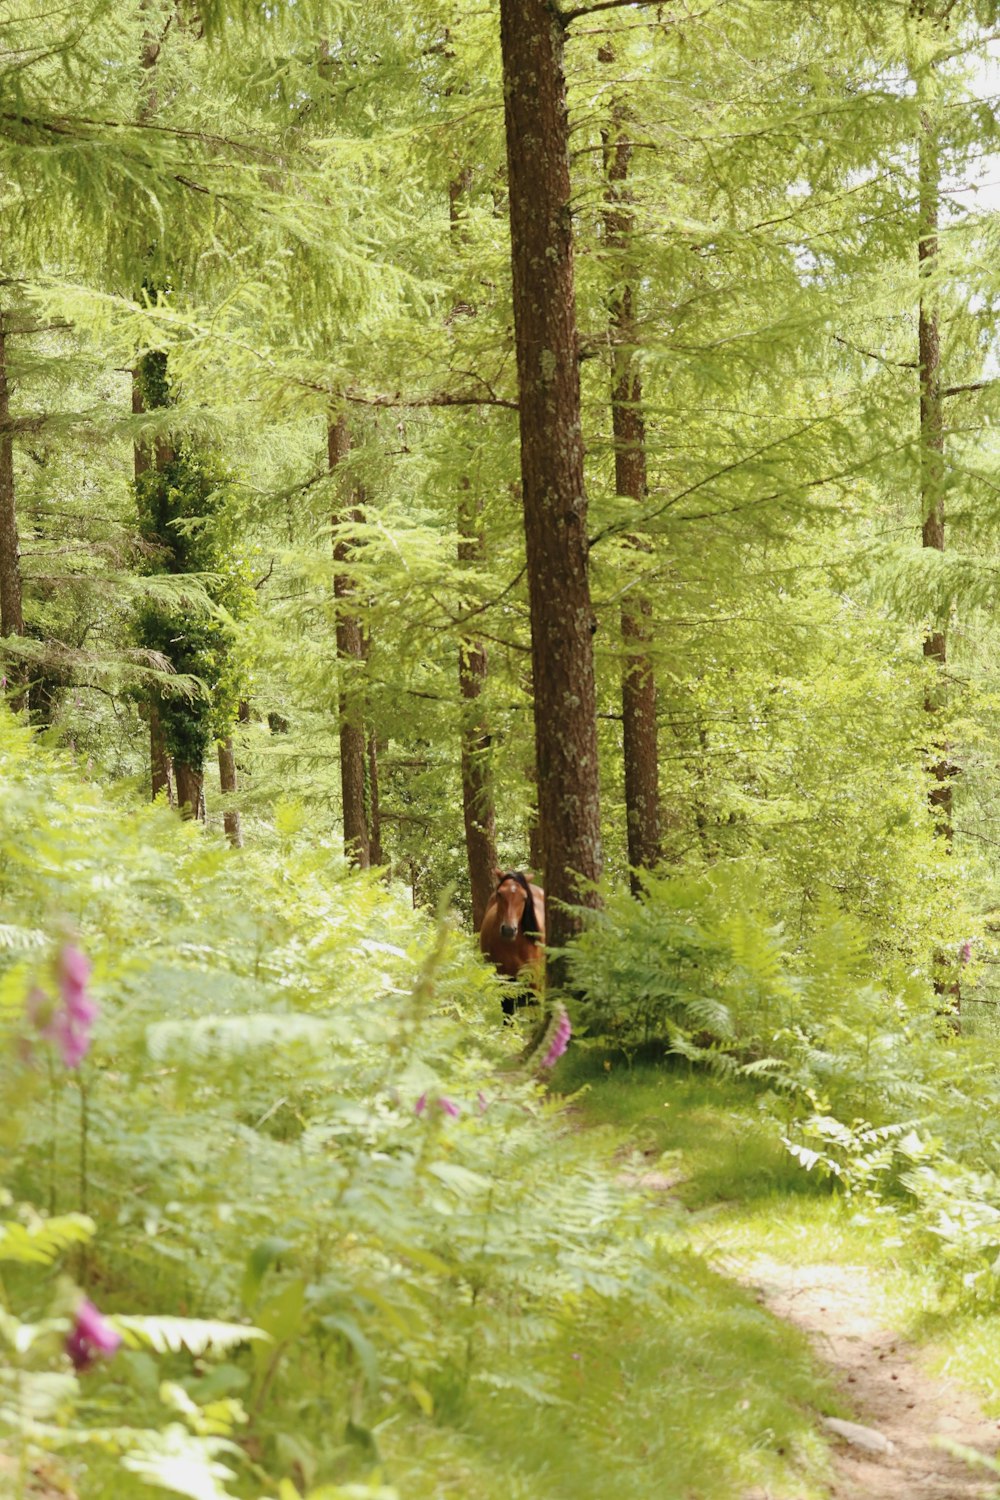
{"points": [[511, 901]]}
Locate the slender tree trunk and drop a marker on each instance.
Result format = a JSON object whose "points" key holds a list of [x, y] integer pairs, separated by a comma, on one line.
{"points": [[478, 805], [11, 610], [639, 724], [932, 477], [477, 780], [555, 504], [227, 782], [374, 810], [351, 653], [932, 446]]}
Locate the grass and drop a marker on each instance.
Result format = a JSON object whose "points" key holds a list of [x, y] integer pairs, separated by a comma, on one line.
{"points": [[746, 1196], [710, 1403], [716, 1400]]}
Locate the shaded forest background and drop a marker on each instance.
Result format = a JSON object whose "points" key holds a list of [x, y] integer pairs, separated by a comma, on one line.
{"points": [[260, 434]]}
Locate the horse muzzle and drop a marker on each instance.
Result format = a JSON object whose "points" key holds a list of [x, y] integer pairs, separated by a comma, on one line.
{"points": [[507, 933]]}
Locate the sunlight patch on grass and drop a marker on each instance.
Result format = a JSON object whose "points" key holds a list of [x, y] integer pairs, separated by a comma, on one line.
{"points": [[713, 1401]]}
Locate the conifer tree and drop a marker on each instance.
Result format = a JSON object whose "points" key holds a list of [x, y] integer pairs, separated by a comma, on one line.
{"points": [[554, 497], [639, 698], [351, 654]]}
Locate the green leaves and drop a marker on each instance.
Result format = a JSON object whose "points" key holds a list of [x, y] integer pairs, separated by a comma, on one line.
{"points": [[197, 1335], [40, 1241]]}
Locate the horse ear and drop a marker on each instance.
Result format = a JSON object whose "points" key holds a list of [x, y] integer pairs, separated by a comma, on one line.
{"points": [[497, 872]]}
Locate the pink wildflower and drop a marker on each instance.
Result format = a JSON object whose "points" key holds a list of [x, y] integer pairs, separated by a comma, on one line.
{"points": [[445, 1105], [965, 952], [559, 1039], [74, 971], [90, 1336], [69, 1025]]}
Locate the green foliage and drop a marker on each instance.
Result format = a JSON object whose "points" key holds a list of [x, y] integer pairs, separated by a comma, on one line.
{"points": [[186, 518], [254, 1158]]}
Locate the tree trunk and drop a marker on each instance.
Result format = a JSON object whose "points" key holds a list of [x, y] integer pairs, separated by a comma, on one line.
{"points": [[159, 760], [141, 460], [639, 725], [189, 789], [555, 505], [11, 611], [350, 652], [374, 809], [932, 448], [478, 806], [227, 782], [477, 779]]}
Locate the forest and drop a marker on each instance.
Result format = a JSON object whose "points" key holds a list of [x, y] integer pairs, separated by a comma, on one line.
{"points": [[455, 457]]}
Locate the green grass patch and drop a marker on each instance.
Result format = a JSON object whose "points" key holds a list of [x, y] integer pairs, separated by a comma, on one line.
{"points": [[716, 1399], [724, 1146]]}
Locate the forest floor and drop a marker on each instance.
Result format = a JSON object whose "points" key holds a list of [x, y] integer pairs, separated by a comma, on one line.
{"points": [[906, 1410], [876, 1324]]}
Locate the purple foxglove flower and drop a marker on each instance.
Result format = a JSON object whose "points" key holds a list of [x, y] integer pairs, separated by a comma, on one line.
{"points": [[447, 1107], [72, 1040], [90, 1336], [74, 971], [68, 1025], [965, 952], [559, 1041], [420, 1105]]}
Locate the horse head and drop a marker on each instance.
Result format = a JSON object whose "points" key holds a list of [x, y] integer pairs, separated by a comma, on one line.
{"points": [[515, 906]]}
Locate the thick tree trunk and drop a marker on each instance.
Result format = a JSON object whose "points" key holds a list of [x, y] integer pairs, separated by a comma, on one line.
{"points": [[351, 653], [11, 610], [227, 783], [639, 724], [555, 505], [477, 780], [190, 790]]}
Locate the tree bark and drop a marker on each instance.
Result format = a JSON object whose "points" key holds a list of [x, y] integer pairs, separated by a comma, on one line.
{"points": [[351, 655], [478, 806], [189, 789], [11, 609], [639, 723], [374, 809], [227, 782], [932, 448], [555, 504], [477, 780]]}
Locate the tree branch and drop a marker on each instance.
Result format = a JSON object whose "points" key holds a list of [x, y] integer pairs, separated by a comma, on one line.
{"points": [[899, 364]]}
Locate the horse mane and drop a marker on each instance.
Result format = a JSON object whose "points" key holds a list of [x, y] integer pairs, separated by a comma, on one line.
{"points": [[529, 917]]}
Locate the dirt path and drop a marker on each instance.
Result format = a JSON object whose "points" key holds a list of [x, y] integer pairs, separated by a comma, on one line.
{"points": [[887, 1386]]}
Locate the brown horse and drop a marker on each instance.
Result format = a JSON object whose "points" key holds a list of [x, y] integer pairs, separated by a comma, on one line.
{"points": [[513, 930]]}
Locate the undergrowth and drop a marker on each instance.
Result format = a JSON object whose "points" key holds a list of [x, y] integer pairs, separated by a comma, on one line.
{"points": [[350, 1245]]}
